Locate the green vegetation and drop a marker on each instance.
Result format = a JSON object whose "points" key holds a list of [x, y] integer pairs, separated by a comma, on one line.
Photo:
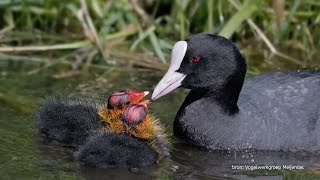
{"points": [[93, 33]]}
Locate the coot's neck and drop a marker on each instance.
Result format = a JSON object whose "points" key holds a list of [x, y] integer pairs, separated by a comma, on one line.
{"points": [[225, 96]]}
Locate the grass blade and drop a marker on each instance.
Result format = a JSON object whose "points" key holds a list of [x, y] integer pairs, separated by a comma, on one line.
{"points": [[235, 21], [156, 45]]}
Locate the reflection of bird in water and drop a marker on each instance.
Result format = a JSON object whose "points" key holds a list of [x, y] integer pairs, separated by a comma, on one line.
{"points": [[123, 134]]}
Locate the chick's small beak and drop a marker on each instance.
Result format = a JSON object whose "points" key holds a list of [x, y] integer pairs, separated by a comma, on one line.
{"points": [[145, 103], [135, 96]]}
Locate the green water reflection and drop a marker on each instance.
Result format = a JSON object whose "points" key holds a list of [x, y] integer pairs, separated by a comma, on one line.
{"points": [[23, 155]]}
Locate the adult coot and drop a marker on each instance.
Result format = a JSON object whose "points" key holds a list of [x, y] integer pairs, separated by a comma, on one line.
{"points": [[274, 111]]}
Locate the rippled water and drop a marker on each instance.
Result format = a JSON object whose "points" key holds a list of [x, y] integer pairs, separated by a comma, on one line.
{"points": [[23, 155]]}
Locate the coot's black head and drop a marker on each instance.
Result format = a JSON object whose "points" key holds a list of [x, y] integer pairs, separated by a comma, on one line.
{"points": [[204, 61]]}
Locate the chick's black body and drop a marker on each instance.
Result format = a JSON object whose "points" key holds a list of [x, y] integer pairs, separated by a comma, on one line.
{"points": [[105, 150], [76, 122], [69, 121]]}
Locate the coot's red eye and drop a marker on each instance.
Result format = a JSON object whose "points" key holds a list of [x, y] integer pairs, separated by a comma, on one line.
{"points": [[195, 59]]}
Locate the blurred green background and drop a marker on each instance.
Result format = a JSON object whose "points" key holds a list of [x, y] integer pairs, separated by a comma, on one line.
{"points": [[98, 33]]}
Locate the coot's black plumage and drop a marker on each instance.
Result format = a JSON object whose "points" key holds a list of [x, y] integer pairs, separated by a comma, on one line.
{"points": [[275, 111]]}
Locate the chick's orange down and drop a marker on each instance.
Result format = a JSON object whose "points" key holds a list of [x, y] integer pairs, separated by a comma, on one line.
{"points": [[115, 124]]}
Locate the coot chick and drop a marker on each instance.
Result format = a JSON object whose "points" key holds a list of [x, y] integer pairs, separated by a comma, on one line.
{"points": [[132, 138], [72, 121], [274, 111]]}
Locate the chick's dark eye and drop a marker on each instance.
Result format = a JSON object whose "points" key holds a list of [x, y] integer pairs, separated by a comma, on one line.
{"points": [[195, 59]]}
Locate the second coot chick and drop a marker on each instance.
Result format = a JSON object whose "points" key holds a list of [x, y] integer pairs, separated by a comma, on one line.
{"points": [[131, 137]]}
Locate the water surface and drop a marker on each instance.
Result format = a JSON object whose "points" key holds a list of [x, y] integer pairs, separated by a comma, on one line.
{"points": [[23, 155]]}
